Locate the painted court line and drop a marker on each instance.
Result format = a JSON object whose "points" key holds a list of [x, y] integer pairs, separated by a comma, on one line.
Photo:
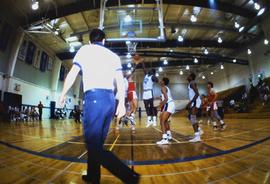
{"points": [[111, 148], [65, 169], [146, 162]]}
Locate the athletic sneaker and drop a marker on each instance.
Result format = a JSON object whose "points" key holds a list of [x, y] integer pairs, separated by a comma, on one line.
{"points": [[201, 131], [163, 141], [154, 121], [149, 123], [169, 136], [215, 128], [132, 120], [223, 126], [196, 138]]}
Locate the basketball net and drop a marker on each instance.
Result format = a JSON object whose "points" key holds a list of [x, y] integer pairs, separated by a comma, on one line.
{"points": [[131, 46]]}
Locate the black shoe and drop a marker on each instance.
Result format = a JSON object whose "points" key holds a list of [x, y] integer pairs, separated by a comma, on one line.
{"points": [[86, 178], [135, 180]]}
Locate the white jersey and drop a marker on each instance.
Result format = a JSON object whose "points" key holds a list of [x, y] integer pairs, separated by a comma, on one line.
{"points": [[91, 59], [170, 99], [126, 87], [191, 94], [147, 82]]}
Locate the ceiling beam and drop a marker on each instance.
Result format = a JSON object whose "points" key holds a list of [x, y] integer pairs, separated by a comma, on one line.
{"points": [[174, 44], [84, 5], [181, 25], [181, 56]]}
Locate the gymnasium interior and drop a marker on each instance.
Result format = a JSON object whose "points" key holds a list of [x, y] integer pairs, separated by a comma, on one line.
{"points": [[225, 42]]}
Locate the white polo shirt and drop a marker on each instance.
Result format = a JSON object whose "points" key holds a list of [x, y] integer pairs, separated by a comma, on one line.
{"points": [[99, 66]]}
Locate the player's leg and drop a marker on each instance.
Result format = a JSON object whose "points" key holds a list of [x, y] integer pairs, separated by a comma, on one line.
{"points": [[164, 116], [195, 125], [152, 112], [149, 119]]}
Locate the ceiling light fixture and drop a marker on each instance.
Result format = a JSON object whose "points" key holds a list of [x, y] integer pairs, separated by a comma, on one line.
{"points": [[212, 73], [221, 67], [234, 60], [165, 62], [206, 51], [203, 77], [249, 52], [236, 25], [187, 67], [261, 12], [160, 69], [180, 38], [251, 2], [220, 40], [181, 72], [157, 74], [257, 6], [35, 4], [266, 42], [241, 29], [196, 60]]}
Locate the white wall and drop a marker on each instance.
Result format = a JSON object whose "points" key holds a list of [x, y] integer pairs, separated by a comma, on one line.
{"points": [[32, 94], [232, 76]]}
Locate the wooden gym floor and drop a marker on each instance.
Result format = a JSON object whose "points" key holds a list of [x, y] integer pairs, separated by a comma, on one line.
{"points": [[54, 152]]}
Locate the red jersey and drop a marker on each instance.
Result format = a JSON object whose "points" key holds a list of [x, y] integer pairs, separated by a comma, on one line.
{"points": [[211, 96], [131, 86]]}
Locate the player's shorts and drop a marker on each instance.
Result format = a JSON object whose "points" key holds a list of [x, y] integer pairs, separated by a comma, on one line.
{"points": [[168, 107], [147, 94], [197, 103], [214, 106], [132, 95]]}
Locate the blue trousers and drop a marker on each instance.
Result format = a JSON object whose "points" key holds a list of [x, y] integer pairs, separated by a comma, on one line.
{"points": [[99, 108]]}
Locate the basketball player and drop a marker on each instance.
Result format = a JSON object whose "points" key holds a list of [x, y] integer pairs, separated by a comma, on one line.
{"points": [[94, 60], [167, 109], [193, 106], [148, 97], [212, 97], [132, 95], [204, 110]]}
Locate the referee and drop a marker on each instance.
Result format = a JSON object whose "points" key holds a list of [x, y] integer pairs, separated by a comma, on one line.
{"points": [[100, 68]]}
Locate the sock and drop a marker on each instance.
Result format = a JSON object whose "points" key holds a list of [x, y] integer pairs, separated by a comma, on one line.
{"points": [[197, 134], [222, 122], [214, 123], [154, 119], [149, 118], [169, 132]]}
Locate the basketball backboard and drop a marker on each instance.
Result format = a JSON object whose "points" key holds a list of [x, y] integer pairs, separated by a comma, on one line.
{"points": [[139, 23]]}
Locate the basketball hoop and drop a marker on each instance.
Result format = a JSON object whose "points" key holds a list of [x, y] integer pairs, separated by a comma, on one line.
{"points": [[131, 46]]}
